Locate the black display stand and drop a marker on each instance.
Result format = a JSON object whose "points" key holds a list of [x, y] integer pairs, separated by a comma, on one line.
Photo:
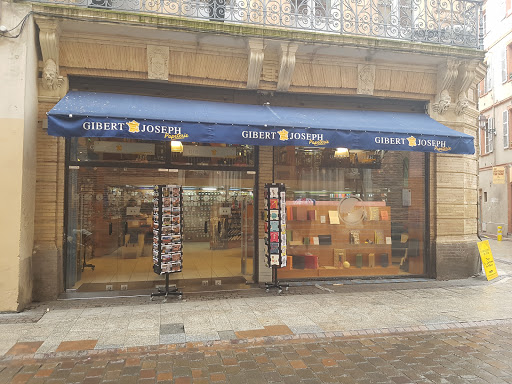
{"points": [[167, 235], [275, 232], [276, 283], [167, 290]]}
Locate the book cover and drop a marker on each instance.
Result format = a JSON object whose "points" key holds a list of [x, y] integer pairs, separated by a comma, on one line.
{"points": [[312, 215], [384, 215], [354, 237], [339, 258], [324, 239], [379, 237], [316, 241], [374, 213], [371, 260], [359, 260], [302, 214], [333, 217]]}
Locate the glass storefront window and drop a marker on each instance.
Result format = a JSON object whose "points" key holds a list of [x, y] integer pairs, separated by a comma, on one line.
{"points": [[110, 236], [117, 150], [213, 155], [352, 212], [84, 149]]}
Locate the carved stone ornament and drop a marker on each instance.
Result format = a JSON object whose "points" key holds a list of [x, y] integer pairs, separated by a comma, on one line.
{"points": [[443, 102], [462, 104], [50, 79], [256, 55], [468, 76], [446, 76], [158, 62], [365, 79], [287, 66]]}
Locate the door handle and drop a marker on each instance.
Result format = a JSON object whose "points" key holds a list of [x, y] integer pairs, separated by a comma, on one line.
{"points": [[206, 227], [218, 227], [109, 229]]}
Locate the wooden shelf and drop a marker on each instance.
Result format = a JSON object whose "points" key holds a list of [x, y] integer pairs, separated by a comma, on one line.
{"points": [[340, 239]]}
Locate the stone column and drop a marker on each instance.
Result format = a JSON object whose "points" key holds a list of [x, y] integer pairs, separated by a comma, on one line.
{"points": [[454, 202]]}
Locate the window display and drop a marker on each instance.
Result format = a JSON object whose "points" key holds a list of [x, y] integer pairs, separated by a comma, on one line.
{"points": [[346, 216]]}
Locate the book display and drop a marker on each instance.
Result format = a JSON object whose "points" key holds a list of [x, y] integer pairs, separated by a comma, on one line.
{"points": [[167, 234], [325, 238], [275, 231]]}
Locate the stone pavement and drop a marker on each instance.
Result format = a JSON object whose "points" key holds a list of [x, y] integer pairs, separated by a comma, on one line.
{"points": [[380, 332]]}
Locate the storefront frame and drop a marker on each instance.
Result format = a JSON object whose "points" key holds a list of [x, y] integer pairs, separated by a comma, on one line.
{"points": [[70, 165]]}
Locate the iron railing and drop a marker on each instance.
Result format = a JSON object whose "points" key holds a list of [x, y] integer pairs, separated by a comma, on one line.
{"points": [[448, 22]]}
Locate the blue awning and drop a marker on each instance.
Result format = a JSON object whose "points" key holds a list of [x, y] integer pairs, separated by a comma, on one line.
{"points": [[89, 114]]}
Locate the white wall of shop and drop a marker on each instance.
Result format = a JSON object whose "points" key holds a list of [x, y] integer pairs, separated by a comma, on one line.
{"points": [[494, 200], [498, 35], [18, 120]]}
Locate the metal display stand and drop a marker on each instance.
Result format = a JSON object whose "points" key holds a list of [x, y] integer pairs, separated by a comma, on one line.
{"points": [[276, 283], [167, 290], [275, 233], [167, 236]]}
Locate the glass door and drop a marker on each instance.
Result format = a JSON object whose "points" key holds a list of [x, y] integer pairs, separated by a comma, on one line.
{"points": [[218, 226]]}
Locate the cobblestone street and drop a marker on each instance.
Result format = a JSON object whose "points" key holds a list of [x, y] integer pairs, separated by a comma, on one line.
{"points": [[472, 355]]}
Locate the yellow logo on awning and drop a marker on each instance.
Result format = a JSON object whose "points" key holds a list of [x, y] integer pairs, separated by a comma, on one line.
{"points": [[412, 141], [133, 126], [283, 134]]}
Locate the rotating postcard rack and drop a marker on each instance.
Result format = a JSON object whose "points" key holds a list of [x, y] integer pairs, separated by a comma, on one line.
{"points": [[167, 235], [275, 232]]}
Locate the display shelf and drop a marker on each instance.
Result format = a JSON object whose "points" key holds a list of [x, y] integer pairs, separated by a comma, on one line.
{"points": [[310, 223]]}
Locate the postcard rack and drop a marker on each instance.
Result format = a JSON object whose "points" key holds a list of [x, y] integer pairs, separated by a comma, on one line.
{"points": [[167, 235]]}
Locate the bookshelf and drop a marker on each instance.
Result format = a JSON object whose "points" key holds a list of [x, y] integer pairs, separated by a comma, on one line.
{"points": [[315, 231]]}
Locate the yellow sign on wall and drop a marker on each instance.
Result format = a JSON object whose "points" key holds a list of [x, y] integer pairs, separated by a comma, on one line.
{"points": [[487, 260], [498, 175]]}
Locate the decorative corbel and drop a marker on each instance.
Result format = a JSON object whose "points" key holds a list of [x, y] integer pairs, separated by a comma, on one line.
{"points": [[465, 79], [51, 84], [286, 66], [158, 62], [446, 75], [256, 49], [365, 79]]}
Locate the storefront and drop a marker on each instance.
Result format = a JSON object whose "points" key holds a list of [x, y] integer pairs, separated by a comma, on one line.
{"points": [[356, 182]]}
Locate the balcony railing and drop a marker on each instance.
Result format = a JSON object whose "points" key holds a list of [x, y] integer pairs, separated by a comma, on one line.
{"points": [[448, 22]]}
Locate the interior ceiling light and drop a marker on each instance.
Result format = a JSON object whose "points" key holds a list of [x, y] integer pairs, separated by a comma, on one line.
{"points": [[177, 146], [341, 152]]}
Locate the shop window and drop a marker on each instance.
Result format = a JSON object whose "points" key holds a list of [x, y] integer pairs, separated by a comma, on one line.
{"points": [[489, 135], [352, 212], [504, 67], [85, 149], [488, 78], [484, 22], [195, 154], [508, 61], [108, 150], [506, 142]]}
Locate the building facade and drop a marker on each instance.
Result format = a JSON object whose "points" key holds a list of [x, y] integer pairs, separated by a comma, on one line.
{"points": [[495, 193], [398, 199]]}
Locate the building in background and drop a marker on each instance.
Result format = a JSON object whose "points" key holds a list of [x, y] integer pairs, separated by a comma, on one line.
{"points": [[495, 104], [108, 98]]}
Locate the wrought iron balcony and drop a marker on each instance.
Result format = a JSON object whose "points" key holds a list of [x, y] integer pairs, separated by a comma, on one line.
{"points": [[448, 22]]}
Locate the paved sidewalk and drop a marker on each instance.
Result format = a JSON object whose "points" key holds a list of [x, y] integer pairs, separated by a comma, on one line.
{"points": [[70, 328]]}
